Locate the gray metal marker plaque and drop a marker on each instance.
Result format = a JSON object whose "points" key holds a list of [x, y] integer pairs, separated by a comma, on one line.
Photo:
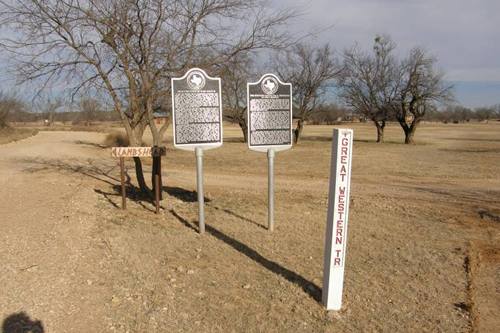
{"points": [[269, 111], [196, 111], [197, 121], [269, 107]]}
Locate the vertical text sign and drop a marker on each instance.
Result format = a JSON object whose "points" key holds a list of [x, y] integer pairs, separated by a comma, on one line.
{"points": [[269, 107], [196, 110], [338, 213]]}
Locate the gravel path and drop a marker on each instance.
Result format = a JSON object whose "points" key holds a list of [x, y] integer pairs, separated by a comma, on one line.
{"points": [[46, 224]]}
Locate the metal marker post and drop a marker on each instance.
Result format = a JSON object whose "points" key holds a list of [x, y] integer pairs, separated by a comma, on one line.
{"points": [[199, 189], [337, 218], [122, 179], [269, 130], [270, 189], [197, 121]]}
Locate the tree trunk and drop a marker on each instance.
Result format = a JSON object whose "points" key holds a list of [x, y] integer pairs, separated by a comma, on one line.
{"points": [[140, 175], [244, 129], [298, 130], [380, 130], [51, 118], [156, 165], [161, 133], [409, 135], [135, 139], [410, 131]]}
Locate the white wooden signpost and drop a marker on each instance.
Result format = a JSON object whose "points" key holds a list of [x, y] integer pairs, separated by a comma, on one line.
{"points": [[337, 218], [269, 114], [197, 121]]}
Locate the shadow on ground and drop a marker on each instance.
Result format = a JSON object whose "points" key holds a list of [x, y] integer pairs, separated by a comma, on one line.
{"points": [[246, 219], [89, 169], [307, 286], [101, 173], [183, 194], [21, 323]]}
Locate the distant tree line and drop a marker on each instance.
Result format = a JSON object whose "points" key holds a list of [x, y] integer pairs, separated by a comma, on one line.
{"points": [[88, 110], [332, 114], [84, 112], [75, 117], [460, 114]]}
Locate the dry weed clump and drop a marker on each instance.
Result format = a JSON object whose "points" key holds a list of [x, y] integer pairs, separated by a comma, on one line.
{"points": [[116, 140]]}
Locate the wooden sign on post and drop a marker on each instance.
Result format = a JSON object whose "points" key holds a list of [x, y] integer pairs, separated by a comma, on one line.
{"points": [[138, 151], [122, 152], [337, 218], [269, 110], [197, 121]]}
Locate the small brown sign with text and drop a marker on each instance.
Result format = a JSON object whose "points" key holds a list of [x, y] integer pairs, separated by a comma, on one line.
{"points": [[138, 151]]}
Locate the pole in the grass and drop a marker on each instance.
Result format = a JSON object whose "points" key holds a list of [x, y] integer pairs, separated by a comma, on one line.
{"points": [[270, 189], [199, 189], [337, 218]]}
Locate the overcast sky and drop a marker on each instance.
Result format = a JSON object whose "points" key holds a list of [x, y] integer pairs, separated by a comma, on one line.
{"points": [[463, 34]]}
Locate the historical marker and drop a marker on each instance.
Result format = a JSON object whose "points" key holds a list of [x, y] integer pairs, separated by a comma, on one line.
{"points": [[338, 213], [269, 114], [269, 104], [196, 110], [197, 121]]}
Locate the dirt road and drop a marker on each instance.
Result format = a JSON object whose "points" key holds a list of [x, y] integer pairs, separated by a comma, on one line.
{"points": [[421, 257], [48, 257]]}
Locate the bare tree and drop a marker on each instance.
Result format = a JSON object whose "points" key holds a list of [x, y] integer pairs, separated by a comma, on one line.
{"points": [[369, 83], [450, 113], [89, 107], [48, 106], [330, 114], [422, 88], [310, 70], [9, 104], [496, 111], [234, 75], [131, 48], [484, 113]]}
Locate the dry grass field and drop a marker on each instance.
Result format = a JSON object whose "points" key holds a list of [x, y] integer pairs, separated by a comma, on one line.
{"points": [[10, 134], [423, 244]]}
